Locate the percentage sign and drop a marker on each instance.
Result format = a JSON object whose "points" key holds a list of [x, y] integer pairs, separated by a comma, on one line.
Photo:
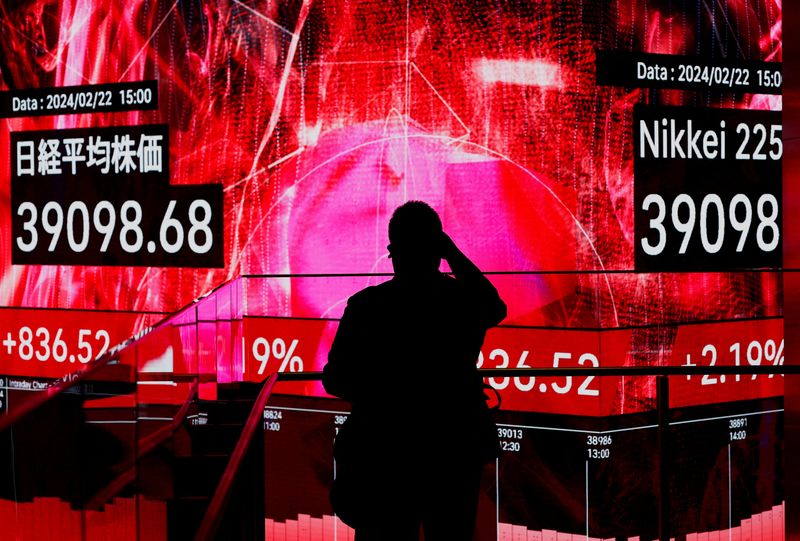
{"points": [[262, 352], [294, 362], [773, 353]]}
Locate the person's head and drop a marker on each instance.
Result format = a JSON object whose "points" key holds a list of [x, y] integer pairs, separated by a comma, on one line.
{"points": [[415, 233]]}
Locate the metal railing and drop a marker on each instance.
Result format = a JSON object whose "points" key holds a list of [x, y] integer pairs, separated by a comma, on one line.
{"points": [[213, 516], [662, 374]]}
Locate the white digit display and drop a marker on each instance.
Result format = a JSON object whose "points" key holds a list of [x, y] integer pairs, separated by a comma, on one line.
{"points": [[742, 226], [503, 383], [79, 221], [767, 222], [715, 201], [200, 226], [170, 223], [711, 221], [130, 224], [78, 207], [562, 389], [683, 227], [502, 359], [655, 224], [53, 229], [29, 226], [524, 387], [57, 345], [104, 227]]}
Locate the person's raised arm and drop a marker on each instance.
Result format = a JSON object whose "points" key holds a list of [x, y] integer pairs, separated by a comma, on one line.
{"points": [[491, 306]]}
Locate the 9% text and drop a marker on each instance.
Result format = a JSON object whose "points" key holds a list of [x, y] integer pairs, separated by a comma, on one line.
{"points": [[263, 350]]}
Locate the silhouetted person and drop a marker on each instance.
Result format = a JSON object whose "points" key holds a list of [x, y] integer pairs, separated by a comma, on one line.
{"points": [[413, 449]]}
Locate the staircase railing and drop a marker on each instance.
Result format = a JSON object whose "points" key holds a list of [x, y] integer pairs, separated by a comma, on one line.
{"points": [[213, 517]]}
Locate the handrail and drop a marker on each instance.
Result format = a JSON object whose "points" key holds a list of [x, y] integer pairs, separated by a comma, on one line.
{"points": [[74, 378], [145, 447], [155, 439], [517, 272], [96, 364], [57, 388], [601, 371], [44, 396], [213, 516]]}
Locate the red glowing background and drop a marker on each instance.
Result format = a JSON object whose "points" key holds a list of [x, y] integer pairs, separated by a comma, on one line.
{"points": [[320, 117]]}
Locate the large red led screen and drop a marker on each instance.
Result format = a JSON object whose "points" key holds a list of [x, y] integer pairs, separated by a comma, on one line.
{"points": [[623, 155], [614, 166]]}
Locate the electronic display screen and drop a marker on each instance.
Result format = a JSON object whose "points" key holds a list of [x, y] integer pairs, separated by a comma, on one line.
{"points": [[564, 477], [613, 165]]}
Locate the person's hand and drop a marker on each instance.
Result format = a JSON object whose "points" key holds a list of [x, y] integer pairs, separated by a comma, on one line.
{"points": [[447, 247]]}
